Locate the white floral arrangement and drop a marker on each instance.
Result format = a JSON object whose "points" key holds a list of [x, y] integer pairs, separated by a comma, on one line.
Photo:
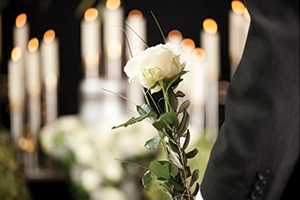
{"points": [[94, 153]]}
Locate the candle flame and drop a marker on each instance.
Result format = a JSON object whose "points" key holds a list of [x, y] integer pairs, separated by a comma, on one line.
{"points": [[238, 7], [49, 36], [188, 44], [21, 20], [175, 36], [199, 54], [92, 58], [91, 14], [210, 26], [16, 54], [113, 4], [246, 14], [51, 80], [135, 15], [33, 44], [114, 49], [26, 144]]}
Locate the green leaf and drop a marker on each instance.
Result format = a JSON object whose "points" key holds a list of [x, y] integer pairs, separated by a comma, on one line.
{"points": [[183, 124], [153, 143], [192, 153], [175, 79], [180, 94], [173, 100], [167, 188], [169, 118], [173, 170], [160, 169], [184, 105], [144, 110], [177, 186], [187, 140], [195, 177], [148, 180], [173, 146]]}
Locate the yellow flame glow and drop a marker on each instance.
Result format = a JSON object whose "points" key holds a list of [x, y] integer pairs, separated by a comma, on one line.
{"points": [[113, 4], [33, 44], [238, 7], [16, 54], [210, 26], [188, 44], [199, 54], [91, 14], [175, 36], [135, 15], [21, 20], [49, 36]]}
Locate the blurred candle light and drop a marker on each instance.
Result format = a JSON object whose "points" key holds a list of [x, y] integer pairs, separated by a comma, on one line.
{"points": [[50, 66], [16, 92], [21, 32], [175, 38], [198, 97], [113, 38], [210, 41], [33, 80], [136, 37], [90, 42], [239, 20]]}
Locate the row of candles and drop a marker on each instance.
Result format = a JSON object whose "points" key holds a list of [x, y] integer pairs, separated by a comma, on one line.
{"points": [[203, 64]]}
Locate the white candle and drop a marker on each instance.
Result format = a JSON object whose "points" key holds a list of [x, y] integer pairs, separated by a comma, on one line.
{"points": [[113, 38], [137, 23], [175, 38], [238, 28], [50, 54], [210, 40], [198, 98], [16, 92], [33, 79], [50, 66], [90, 42], [21, 33]]}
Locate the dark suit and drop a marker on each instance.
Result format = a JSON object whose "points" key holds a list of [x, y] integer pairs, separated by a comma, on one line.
{"points": [[258, 145]]}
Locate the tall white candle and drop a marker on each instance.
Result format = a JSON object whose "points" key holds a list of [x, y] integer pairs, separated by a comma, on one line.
{"points": [[21, 33], [16, 92], [238, 28], [113, 38], [50, 66], [90, 42], [175, 38], [136, 36], [210, 40], [198, 98], [33, 80]]}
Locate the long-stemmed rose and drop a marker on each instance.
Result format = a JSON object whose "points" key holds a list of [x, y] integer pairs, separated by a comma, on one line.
{"points": [[159, 68]]}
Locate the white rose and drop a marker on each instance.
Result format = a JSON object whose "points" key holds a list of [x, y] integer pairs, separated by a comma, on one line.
{"points": [[152, 65]]}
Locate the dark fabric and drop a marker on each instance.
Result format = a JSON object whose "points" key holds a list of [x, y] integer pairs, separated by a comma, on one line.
{"points": [[258, 145]]}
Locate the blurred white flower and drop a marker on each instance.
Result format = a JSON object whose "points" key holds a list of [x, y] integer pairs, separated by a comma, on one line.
{"points": [[90, 179]]}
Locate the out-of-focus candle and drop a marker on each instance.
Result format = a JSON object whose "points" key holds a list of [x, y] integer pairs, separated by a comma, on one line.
{"points": [[50, 54], [33, 72], [137, 23], [175, 38], [16, 78], [50, 66], [21, 32], [90, 42], [16, 92], [238, 28], [113, 38], [210, 42]]}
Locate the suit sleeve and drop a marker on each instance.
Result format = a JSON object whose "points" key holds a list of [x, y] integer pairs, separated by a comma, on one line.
{"points": [[258, 145]]}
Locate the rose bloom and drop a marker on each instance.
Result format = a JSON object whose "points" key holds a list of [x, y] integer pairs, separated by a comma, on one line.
{"points": [[153, 65]]}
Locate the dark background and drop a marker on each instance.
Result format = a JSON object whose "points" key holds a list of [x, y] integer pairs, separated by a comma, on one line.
{"points": [[186, 16]]}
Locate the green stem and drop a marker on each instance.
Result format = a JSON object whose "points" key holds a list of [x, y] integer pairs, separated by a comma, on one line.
{"points": [[145, 95], [165, 95]]}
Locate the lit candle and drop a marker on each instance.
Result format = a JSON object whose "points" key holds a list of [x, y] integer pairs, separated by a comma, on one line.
{"points": [[90, 42], [210, 41], [175, 38], [238, 27], [113, 38], [50, 66], [198, 98], [33, 79], [137, 23], [187, 45], [16, 92], [21, 32]]}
